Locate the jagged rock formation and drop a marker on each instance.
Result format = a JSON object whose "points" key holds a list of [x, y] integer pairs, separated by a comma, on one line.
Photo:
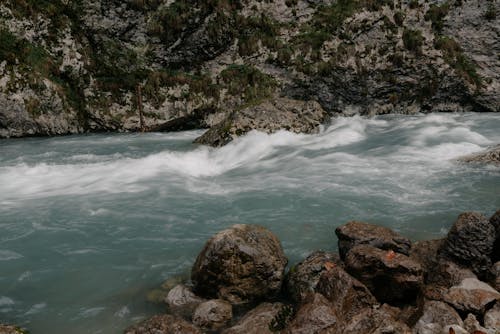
{"points": [[70, 67]]}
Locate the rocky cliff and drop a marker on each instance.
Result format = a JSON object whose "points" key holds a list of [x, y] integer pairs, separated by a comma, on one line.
{"points": [[75, 66]]}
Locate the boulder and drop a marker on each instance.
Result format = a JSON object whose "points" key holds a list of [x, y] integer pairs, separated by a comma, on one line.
{"points": [[446, 274], [496, 276], [8, 329], [163, 324], [358, 233], [390, 276], [472, 296], [269, 116], [472, 325], [425, 252], [315, 315], [302, 278], [492, 319], [470, 242], [213, 314], [258, 320], [182, 301], [373, 321], [345, 293], [495, 221], [244, 263], [436, 318], [491, 156]]}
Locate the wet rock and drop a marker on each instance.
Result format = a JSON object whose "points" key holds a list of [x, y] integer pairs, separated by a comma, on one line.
{"points": [[302, 278], [374, 321], [358, 233], [163, 324], [316, 315], [492, 319], [347, 294], [269, 116], [390, 276], [182, 301], [213, 314], [470, 242], [242, 264], [436, 318], [492, 156], [8, 329], [495, 221], [471, 296], [258, 320]]}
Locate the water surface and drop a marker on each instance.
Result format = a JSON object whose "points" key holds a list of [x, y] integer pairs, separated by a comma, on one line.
{"points": [[88, 224]]}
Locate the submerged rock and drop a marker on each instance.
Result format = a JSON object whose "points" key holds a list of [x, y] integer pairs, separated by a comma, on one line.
{"points": [[258, 320], [390, 276], [302, 278], [244, 263], [491, 156], [437, 317], [182, 301], [269, 116], [213, 314], [358, 233], [472, 296], [316, 315], [163, 324], [470, 242]]}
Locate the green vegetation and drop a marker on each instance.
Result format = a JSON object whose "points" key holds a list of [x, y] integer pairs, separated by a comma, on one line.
{"points": [[281, 319], [491, 13], [436, 15], [253, 29], [413, 40]]}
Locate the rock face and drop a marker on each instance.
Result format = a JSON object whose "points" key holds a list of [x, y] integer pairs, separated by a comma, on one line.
{"points": [[213, 314], [303, 277], [470, 242], [437, 318], [164, 324], [358, 233], [269, 116], [182, 301], [258, 320], [472, 296], [491, 156], [316, 315], [242, 264], [390, 276]]}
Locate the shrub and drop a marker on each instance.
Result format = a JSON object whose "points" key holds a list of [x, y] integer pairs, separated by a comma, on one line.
{"points": [[413, 40]]}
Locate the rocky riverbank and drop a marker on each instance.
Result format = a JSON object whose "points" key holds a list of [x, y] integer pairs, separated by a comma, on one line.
{"points": [[379, 282]]}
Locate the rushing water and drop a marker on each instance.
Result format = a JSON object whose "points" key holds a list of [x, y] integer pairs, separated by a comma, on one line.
{"points": [[88, 224]]}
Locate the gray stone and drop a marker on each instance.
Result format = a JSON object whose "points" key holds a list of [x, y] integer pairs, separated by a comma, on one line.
{"points": [[213, 314], [436, 317], [472, 296], [182, 301]]}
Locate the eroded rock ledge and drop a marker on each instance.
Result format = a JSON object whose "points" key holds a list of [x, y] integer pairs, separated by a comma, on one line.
{"points": [[380, 283]]}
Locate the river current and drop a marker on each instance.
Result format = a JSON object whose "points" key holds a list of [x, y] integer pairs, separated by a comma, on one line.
{"points": [[89, 224]]}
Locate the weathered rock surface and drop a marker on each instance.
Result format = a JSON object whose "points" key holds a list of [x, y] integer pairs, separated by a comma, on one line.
{"points": [[9, 329], [163, 324], [425, 252], [374, 321], [242, 264], [437, 318], [472, 296], [491, 156], [316, 315], [345, 293], [182, 301], [358, 233], [495, 221], [302, 278], [390, 276], [213, 314], [269, 116], [258, 320], [492, 319], [472, 325], [496, 275], [470, 242]]}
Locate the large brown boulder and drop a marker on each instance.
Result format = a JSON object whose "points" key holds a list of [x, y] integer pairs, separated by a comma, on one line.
{"points": [[437, 317], [315, 315], [302, 278], [163, 324], [470, 242], [390, 276], [213, 314], [257, 321], [358, 233], [345, 293], [244, 263], [472, 296]]}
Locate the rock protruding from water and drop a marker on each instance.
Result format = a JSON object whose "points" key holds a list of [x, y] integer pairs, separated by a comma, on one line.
{"points": [[390, 276], [182, 301], [8, 329], [164, 324], [358, 233], [213, 314], [470, 242], [303, 277], [491, 156], [269, 116], [242, 264]]}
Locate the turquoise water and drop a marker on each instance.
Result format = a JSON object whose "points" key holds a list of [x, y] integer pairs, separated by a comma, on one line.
{"points": [[89, 224]]}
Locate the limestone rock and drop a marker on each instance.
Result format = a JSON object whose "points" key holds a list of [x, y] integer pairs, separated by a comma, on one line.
{"points": [[472, 325], [8, 329], [492, 319], [358, 233], [241, 264], [213, 314], [257, 321], [491, 156], [436, 317], [302, 278], [163, 324], [446, 273], [182, 301], [316, 315], [269, 116], [390, 276], [345, 293], [472, 296], [425, 252], [470, 242]]}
